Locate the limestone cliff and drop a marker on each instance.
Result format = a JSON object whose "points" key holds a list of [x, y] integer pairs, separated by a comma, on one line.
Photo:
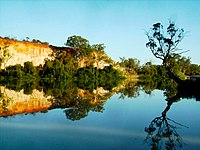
{"points": [[23, 51]]}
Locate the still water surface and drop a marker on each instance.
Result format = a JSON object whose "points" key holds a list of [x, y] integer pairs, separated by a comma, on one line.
{"points": [[120, 126]]}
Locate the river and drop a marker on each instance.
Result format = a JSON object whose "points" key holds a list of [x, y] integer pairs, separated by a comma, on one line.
{"points": [[128, 122]]}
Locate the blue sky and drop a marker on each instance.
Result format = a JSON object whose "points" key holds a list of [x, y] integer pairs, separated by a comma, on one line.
{"points": [[119, 24]]}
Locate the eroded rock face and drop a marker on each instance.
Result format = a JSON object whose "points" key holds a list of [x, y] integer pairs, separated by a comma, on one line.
{"points": [[21, 52]]}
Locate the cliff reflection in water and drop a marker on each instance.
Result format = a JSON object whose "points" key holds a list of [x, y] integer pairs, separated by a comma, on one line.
{"points": [[162, 131], [77, 102], [14, 102]]}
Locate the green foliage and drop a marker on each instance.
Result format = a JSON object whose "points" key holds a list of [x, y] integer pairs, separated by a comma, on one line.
{"points": [[90, 78], [131, 64], [37, 41], [63, 69], [152, 72], [182, 66], [153, 77], [55, 73], [30, 69], [81, 45], [130, 90], [194, 69], [83, 49], [27, 39], [18, 77], [59, 69], [164, 45], [61, 79], [82, 110], [98, 47]]}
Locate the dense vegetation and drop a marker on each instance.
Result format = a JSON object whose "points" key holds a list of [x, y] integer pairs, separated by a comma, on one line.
{"points": [[63, 78], [64, 70], [54, 73]]}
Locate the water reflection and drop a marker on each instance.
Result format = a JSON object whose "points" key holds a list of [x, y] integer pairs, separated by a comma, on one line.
{"points": [[76, 102], [14, 102], [79, 102], [164, 130]]}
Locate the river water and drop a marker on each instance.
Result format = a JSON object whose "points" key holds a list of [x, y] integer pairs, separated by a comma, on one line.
{"points": [[122, 123]]}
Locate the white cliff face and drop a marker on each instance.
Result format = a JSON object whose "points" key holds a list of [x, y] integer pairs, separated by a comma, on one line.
{"points": [[21, 52]]}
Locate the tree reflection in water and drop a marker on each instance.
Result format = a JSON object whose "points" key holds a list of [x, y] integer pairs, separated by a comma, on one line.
{"points": [[83, 108], [163, 129]]}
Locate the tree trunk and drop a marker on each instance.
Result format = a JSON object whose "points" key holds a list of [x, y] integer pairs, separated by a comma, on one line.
{"points": [[173, 76]]}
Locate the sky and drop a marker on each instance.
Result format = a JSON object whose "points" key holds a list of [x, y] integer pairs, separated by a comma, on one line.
{"points": [[119, 24]]}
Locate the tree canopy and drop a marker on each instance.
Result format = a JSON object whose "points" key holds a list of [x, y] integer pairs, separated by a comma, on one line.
{"points": [[81, 45], [164, 45]]}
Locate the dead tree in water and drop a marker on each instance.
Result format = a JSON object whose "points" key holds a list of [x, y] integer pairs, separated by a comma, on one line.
{"points": [[164, 45]]}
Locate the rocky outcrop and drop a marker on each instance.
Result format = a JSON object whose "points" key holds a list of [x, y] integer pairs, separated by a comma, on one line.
{"points": [[21, 52]]}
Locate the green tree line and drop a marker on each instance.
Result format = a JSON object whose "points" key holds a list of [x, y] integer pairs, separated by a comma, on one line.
{"points": [[180, 65]]}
